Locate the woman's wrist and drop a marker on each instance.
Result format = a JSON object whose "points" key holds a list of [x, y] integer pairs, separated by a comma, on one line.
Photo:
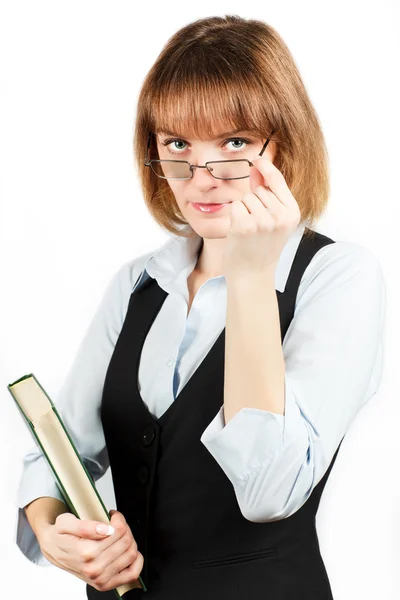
{"points": [[43, 512]]}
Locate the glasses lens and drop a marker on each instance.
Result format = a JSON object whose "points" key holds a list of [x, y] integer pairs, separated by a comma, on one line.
{"points": [[171, 169], [230, 169]]}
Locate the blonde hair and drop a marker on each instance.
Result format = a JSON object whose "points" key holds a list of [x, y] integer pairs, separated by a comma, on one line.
{"points": [[238, 72]]}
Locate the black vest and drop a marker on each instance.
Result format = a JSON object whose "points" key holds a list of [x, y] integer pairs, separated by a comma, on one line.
{"points": [[179, 504]]}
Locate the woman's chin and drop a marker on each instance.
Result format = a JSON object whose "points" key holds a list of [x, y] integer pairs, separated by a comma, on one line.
{"points": [[211, 228]]}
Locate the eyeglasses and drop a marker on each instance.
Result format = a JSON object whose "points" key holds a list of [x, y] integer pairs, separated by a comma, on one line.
{"points": [[182, 169]]}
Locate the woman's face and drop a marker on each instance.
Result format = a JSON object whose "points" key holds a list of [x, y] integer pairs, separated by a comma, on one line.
{"points": [[203, 187]]}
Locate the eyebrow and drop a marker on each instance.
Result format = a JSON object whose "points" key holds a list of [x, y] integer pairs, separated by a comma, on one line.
{"points": [[222, 135]]}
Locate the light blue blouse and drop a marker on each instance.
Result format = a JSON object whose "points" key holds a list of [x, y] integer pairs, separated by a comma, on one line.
{"points": [[333, 353]]}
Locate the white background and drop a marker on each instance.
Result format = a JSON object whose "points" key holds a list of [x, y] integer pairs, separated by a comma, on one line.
{"points": [[72, 213]]}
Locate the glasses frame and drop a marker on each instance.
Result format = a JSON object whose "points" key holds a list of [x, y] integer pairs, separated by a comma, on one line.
{"points": [[148, 162]]}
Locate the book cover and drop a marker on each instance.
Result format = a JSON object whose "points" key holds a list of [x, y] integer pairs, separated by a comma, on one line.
{"points": [[72, 478]]}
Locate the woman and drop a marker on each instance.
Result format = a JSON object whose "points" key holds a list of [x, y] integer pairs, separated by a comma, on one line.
{"points": [[221, 372]]}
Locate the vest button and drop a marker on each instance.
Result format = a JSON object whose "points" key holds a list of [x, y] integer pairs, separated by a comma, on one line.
{"points": [[143, 474], [148, 436]]}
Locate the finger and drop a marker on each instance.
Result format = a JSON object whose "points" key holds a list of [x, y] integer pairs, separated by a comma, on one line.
{"points": [[118, 558], [270, 201], [274, 180], [108, 563], [114, 512], [67, 523], [130, 573], [262, 205], [239, 214], [100, 564]]}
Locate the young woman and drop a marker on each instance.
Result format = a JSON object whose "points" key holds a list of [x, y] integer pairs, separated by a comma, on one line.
{"points": [[222, 371]]}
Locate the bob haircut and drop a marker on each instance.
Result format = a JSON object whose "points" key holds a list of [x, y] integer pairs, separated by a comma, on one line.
{"points": [[233, 73]]}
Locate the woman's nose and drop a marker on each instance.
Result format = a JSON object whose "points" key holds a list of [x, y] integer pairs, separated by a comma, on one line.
{"points": [[202, 176]]}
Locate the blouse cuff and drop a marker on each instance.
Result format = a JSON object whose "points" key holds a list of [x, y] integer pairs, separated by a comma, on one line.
{"points": [[252, 436], [37, 480]]}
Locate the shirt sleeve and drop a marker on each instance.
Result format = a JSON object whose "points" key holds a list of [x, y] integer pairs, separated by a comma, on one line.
{"points": [[333, 353], [78, 402]]}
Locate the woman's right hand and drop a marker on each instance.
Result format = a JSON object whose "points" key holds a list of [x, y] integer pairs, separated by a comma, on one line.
{"points": [[102, 561]]}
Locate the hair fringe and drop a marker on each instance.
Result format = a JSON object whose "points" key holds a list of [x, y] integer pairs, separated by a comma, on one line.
{"points": [[239, 73]]}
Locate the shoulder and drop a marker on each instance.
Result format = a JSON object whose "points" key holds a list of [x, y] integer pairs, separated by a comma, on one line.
{"points": [[349, 252], [132, 269], [116, 297], [124, 279], [339, 264], [342, 255]]}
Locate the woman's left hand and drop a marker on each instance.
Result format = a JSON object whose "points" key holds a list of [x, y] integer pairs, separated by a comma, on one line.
{"points": [[261, 223]]}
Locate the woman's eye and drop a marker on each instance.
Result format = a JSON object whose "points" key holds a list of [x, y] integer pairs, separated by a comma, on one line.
{"points": [[169, 142], [241, 141], [176, 149]]}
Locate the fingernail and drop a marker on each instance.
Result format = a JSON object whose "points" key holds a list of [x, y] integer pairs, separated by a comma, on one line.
{"points": [[105, 529]]}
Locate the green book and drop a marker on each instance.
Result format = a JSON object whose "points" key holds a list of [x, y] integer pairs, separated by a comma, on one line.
{"points": [[72, 478]]}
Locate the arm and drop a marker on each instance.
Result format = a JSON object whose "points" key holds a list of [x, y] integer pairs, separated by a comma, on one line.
{"points": [[254, 364], [42, 512], [333, 363], [78, 402]]}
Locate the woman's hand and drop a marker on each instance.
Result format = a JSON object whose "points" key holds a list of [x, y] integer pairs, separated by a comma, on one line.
{"points": [[104, 562], [261, 223]]}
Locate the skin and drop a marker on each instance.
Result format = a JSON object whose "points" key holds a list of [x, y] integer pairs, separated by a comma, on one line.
{"points": [[203, 187], [244, 244]]}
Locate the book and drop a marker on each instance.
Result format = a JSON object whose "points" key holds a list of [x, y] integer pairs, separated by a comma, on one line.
{"points": [[72, 478]]}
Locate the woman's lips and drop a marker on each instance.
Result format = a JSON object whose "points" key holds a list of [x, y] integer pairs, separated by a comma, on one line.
{"points": [[209, 207]]}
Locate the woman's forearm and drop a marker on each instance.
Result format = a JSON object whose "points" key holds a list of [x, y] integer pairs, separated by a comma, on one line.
{"points": [[43, 511], [254, 362]]}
